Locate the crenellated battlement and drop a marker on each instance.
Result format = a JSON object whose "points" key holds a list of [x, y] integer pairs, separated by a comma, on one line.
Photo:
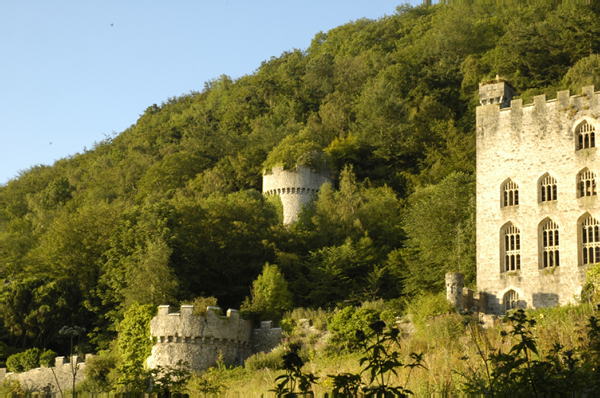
{"points": [[201, 340], [295, 188], [539, 116], [532, 163], [38, 379]]}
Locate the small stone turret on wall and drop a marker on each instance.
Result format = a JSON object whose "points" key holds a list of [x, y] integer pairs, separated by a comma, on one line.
{"points": [[461, 297], [295, 188], [496, 92], [455, 282]]}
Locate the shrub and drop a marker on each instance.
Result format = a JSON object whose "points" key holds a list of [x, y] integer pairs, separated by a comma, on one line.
{"points": [[30, 359], [318, 319], [272, 360], [345, 322], [201, 303], [426, 306]]}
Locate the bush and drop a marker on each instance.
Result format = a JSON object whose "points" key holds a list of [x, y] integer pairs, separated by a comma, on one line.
{"points": [[318, 319], [427, 306], [30, 359], [259, 361], [100, 372], [345, 322]]}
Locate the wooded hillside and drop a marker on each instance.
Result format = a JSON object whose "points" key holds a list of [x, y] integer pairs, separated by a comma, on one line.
{"points": [[170, 209]]}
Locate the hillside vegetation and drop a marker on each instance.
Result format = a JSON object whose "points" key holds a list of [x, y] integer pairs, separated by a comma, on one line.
{"points": [[170, 209]]}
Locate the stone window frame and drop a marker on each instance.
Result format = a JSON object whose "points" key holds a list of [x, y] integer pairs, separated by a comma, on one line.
{"points": [[509, 193], [547, 188], [588, 238], [549, 243], [510, 300], [586, 183], [510, 248], [584, 134]]}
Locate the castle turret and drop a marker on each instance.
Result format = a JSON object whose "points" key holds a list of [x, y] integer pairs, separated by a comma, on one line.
{"points": [[455, 282], [295, 188], [496, 91]]}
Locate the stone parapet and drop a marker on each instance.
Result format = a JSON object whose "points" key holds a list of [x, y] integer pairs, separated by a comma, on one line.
{"points": [[295, 188], [522, 145], [44, 378]]}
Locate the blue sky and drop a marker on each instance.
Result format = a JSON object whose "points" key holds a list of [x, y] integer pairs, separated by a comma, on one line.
{"points": [[74, 72]]}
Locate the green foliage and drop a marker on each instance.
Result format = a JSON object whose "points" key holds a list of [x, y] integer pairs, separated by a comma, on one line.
{"points": [[591, 288], [317, 318], [345, 322], [271, 360], [524, 369], [170, 380], [170, 208], [201, 304], [270, 295], [30, 359], [426, 306], [100, 372], [134, 345], [380, 359], [293, 377], [440, 228]]}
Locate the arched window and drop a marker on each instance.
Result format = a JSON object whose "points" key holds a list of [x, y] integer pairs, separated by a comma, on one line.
{"points": [[550, 245], [512, 249], [510, 194], [586, 183], [586, 136], [590, 241], [548, 189], [511, 300]]}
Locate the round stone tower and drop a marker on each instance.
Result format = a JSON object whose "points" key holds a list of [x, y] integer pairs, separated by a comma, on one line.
{"points": [[455, 282], [294, 187]]}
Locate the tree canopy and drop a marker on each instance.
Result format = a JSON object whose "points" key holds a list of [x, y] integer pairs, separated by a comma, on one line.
{"points": [[170, 209]]}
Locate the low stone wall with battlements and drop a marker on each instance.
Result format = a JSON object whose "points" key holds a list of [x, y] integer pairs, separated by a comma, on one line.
{"points": [[45, 379]]}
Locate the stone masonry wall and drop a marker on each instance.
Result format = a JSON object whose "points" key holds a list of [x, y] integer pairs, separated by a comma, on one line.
{"points": [[294, 187], [523, 143], [202, 340], [38, 379]]}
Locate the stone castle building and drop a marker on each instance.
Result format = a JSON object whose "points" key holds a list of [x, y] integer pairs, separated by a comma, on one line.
{"points": [[201, 341], [295, 188], [537, 202]]}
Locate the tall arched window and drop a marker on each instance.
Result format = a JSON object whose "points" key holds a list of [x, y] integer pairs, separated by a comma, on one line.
{"points": [[586, 183], [511, 300], [510, 193], [548, 189], [550, 245], [586, 136], [590, 241], [512, 249]]}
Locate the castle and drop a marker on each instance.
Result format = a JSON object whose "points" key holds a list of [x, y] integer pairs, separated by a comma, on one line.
{"points": [[537, 202], [295, 188], [202, 340]]}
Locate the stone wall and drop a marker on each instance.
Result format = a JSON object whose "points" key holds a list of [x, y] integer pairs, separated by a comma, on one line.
{"points": [[461, 297], [525, 143], [295, 188], [266, 338], [200, 341], [44, 378]]}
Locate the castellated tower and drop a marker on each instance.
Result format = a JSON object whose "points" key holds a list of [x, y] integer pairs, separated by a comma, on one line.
{"points": [[294, 187], [538, 212], [199, 341]]}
